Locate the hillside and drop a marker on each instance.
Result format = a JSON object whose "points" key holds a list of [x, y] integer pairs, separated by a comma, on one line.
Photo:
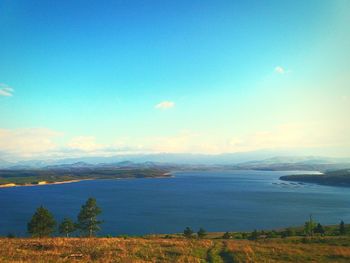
{"points": [[335, 178], [330, 249]]}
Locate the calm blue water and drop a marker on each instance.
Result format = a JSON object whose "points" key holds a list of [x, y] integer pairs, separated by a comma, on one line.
{"points": [[217, 201]]}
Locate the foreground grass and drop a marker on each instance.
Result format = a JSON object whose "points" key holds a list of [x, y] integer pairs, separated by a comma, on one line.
{"points": [[296, 249]]}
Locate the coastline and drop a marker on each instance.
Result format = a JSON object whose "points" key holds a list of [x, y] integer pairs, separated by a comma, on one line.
{"points": [[41, 183]]}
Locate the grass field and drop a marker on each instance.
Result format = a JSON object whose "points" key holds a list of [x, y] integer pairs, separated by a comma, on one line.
{"points": [[295, 249]]}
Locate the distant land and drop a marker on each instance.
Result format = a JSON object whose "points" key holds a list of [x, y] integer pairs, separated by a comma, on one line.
{"points": [[334, 178], [256, 159], [74, 173], [261, 160], [63, 171]]}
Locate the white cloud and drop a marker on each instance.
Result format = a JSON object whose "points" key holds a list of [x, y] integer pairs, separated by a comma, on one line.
{"points": [[84, 143], [164, 105], [181, 142], [42, 143], [280, 70], [6, 90], [28, 142], [292, 135]]}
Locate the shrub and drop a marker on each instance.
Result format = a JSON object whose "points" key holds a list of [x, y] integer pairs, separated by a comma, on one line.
{"points": [[188, 232]]}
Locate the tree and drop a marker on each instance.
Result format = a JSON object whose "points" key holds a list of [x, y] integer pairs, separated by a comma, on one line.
{"points": [[309, 227], [188, 232], [272, 234], [254, 235], [289, 232], [319, 229], [42, 223], [227, 235], [10, 235], [342, 230], [201, 233], [87, 218], [66, 227]]}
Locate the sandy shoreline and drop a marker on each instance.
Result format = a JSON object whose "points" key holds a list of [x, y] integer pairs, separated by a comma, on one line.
{"points": [[41, 183], [165, 175]]}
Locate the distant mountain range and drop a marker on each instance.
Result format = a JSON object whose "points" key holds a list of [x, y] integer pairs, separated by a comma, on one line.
{"points": [[247, 161], [309, 163], [174, 158]]}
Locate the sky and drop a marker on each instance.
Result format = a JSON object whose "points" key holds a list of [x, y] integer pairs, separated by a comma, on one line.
{"points": [[101, 78]]}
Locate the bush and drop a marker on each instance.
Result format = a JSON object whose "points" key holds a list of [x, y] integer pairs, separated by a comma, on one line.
{"points": [[10, 235], [254, 235], [238, 236], [201, 233], [272, 234], [188, 232], [227, 235]]}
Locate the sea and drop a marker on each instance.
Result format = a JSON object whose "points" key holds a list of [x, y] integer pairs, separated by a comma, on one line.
{"points": [[214, 200]]}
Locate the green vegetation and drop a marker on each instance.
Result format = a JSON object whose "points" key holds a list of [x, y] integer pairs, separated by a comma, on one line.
{"points": [[66, 227], [342, 229], [42, 223], [319, 229], [310, 227], [188, 232], [87, 218], [50, 175], [227, 235], [336, 178], [255, 235], [201, 233], [310, 243]]}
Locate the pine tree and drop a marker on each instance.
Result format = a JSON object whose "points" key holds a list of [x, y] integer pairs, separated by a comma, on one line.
{"points": [[319, 229], [201, 233], [342, 229], [87, 218], [309, 227], [66, 227], [188, 232], [42, 223]]}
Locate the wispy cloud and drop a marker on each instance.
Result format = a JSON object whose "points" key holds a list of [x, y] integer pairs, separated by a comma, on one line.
{"points": [[84, 143], [43, 143], [164, 105], [6, 90], [280, 70], [28, 142]]}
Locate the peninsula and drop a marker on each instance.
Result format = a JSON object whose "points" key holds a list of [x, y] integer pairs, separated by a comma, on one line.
{"points": [[74, 173], [334, 178]]}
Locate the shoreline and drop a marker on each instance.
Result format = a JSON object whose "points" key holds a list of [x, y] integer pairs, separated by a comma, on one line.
{"points": [[42, 183]]}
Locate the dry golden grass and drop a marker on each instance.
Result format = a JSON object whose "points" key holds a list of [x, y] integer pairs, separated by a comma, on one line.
{"points": [[172, 250]]}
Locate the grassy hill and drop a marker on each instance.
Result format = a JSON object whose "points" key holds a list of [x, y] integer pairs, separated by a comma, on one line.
{"points": [[158, 249]]}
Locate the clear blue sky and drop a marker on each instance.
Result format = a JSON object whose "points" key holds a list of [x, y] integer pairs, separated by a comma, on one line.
{"points": [[105, 77]]}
